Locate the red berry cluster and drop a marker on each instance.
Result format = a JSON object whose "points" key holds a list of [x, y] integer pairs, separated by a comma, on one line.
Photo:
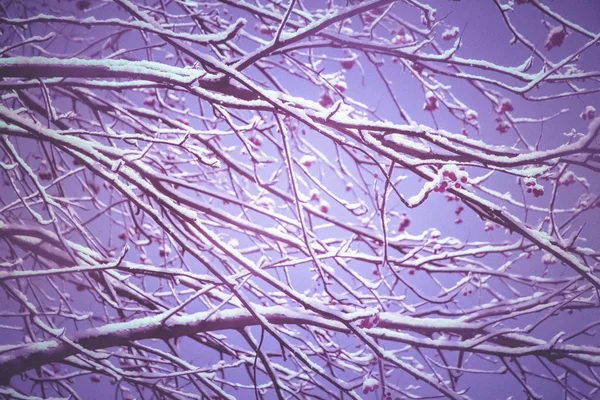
{"points": [[325, 100], [471, 118], [369, 322], [164, 251], [471, 115], [402, 38], [256, 140], [370, 385], [504, 106], [534, 187], [451, 175], [502, 126], [441, 187]]}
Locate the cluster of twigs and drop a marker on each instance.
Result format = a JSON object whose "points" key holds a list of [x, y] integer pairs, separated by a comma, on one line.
{"points": [[294, 200]]}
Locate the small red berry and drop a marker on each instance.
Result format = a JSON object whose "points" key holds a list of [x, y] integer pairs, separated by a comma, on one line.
{"points": [[150, 101], [348, 63], [556, 37], [266, 30], [164, 251], [340, 86], [46, 175], [256, 140], [324, 206], [505, 106], [314, 195], [308, 160], [325, 100]]}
